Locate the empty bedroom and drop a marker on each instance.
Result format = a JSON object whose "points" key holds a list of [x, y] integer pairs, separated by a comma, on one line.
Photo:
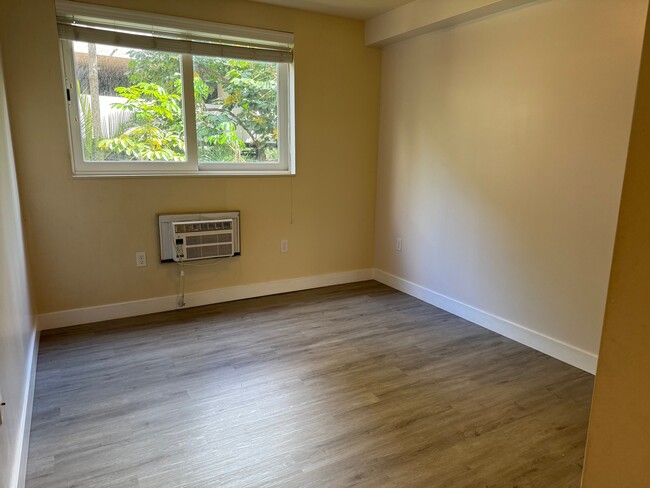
{"points": [[324, 243]]}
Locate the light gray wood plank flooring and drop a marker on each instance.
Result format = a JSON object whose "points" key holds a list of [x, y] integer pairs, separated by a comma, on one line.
{"points": [[355, 385]]}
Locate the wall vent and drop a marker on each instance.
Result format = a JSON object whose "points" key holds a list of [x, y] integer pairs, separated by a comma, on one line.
{"points": [[190, 237]]}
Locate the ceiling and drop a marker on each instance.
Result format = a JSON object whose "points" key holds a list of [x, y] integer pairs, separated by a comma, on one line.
{"points": [[356, 9]]}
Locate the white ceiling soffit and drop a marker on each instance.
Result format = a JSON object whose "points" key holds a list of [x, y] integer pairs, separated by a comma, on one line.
{"points": [[421, 16], [355, 9]]}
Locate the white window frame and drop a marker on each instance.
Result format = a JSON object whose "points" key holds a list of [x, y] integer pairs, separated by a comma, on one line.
{"points": [[192, 166]]}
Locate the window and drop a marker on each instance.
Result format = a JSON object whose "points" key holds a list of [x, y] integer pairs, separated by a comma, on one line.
{"points": [[159, 95]]}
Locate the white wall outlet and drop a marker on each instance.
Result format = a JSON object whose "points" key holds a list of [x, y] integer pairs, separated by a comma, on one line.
{"points": [[140, 259], [398, 244], [284, 246]]}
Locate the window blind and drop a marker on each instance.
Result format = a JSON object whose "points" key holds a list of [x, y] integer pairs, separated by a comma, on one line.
{"points": [[139, 30]]}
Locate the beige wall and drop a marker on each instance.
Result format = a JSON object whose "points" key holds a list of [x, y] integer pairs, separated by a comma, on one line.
{"points": [[83, 234], [422, 16], [501, 157], [16, 322], [618, 445]]}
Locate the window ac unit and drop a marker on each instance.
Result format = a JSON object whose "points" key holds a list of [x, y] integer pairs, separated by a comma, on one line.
{"points": [[203, 239], [190, 237]]}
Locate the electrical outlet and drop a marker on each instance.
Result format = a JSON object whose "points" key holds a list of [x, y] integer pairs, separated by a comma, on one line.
{"points": [[398, 244], [140, 259], [284, 246]]}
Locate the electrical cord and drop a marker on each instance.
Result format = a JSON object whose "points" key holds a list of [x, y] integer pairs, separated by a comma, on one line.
{"points": [[181, 298], [181, 278]]}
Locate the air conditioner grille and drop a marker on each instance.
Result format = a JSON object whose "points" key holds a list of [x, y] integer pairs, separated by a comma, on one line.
{"points": [[207, 239], [206, 252], [203, 239]]}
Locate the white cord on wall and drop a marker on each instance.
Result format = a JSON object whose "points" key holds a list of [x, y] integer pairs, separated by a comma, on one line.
{"points": [[180, 302], [181, 298]]}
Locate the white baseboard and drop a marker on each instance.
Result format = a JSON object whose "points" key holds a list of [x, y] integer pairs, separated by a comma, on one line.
{"points": [[78, 316], [20, 465], [540, 342]]}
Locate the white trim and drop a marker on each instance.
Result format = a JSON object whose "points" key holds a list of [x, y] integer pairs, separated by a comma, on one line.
{"points": [[219, 295], [22, 447], [540, 342], [548, 345], [290, 124], [285, 116], [191, 166], [179, 174]]}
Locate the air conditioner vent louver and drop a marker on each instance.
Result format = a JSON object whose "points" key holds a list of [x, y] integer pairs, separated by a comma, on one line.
{"points": [[201, 226], [205, 239]]}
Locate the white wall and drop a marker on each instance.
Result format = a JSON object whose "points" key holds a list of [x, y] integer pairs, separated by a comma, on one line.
{"points": [[501, 158], [16, 321]]}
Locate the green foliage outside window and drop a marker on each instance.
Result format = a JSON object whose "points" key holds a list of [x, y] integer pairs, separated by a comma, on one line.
{"points": [[157, 130], [236, 111]]}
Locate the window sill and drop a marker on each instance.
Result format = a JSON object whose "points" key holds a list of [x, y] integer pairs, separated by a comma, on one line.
{"points": [[167, 174]]}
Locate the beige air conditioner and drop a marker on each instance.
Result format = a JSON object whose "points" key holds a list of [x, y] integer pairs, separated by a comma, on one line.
{"points": [[190, 237]]}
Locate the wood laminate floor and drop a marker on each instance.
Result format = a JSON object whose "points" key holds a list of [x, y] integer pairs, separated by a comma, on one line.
{"points": [[355, 385]]}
